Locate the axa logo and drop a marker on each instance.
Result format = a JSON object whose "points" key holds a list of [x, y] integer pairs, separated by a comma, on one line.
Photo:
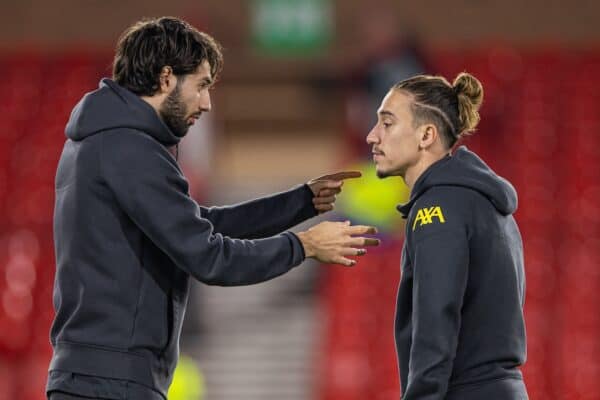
{"points": [[426, 215]]}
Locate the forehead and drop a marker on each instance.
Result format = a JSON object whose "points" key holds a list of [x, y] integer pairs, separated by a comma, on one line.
{"points": [[397, 102], [202, 72]]}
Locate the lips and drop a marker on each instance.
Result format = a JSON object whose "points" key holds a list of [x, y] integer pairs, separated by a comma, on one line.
{"points": [[192, 119]]}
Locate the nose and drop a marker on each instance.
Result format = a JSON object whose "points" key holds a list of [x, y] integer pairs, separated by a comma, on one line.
{"points": [[205, 104], [372, 137]]}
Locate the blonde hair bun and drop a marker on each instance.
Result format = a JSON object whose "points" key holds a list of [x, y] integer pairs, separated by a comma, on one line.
{"points": [[470, 96]]}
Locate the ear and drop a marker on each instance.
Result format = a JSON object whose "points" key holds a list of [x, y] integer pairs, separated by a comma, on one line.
{"points": [[167, 79], [428, 135]]}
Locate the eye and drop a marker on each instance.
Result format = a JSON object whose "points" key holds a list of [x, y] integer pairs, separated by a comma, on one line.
{"points": [[206, 86], [386, 124]]}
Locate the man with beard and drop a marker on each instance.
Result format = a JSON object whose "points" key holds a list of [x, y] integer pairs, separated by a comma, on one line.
{"points": [[128, 236]]}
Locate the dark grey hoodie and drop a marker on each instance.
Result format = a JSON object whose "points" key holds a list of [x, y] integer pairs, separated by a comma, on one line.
{"points": [[128, 237], [459, 322]]}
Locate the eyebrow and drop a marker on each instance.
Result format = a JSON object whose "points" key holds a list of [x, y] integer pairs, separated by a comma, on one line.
{"points": [[206, 80], [386, 113]]}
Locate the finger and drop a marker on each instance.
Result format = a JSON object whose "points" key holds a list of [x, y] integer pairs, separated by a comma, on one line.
{"points": [[371, 242], [351, 251], [331, 184], [324, 207], [361, 230], [329, 192], [344, 261], [324, 200], [362, 241], [340, 176], [317, 186]]}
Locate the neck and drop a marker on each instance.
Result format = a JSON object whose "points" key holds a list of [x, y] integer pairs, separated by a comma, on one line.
{"points": [[153, 101], [415, 171]]}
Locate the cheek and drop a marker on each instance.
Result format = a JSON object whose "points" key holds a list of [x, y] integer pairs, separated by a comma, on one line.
{"points": [[401, 144], [396, 140], [189, 95], [190, 101]]}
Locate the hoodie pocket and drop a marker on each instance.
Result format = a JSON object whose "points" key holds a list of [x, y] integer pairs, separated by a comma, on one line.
{"points": [[154, 314], [177, 306], [169, 321], [151, 321]]}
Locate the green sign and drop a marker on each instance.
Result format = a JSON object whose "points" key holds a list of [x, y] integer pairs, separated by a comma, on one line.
{"points": [[290, 27]]}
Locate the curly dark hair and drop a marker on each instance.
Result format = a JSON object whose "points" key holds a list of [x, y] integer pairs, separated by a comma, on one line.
{"points": [[149, 45]]}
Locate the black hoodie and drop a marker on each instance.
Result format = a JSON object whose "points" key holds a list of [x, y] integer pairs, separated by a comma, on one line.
{"points": [[128, 237], [459, 320]]}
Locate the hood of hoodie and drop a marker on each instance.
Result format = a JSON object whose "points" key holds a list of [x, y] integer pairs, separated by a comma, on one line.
{"points": [[112, 107], [465, 169]]}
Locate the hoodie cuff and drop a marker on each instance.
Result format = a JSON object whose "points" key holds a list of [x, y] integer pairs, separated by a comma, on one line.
{"points": [[309, 209], [297, 249]]}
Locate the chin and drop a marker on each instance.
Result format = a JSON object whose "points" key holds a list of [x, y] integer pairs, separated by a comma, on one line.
{"points": [[181, 131], [382, 174]]}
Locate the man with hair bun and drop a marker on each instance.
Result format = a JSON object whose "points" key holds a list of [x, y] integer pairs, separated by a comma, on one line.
{"points": [[459, 329]]}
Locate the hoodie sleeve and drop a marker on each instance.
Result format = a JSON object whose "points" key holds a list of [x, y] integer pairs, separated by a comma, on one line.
{"points": [[263, 217], [438, 243], [149, 187]]}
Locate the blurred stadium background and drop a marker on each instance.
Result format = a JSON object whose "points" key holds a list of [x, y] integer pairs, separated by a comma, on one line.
{"points": [[301, 84]]}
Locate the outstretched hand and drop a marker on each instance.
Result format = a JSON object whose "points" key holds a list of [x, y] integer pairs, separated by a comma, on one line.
{"points": [[326, 187], [334, 242]]}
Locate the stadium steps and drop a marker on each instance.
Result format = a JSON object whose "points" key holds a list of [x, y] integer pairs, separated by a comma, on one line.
{"points": [[257, 342]]}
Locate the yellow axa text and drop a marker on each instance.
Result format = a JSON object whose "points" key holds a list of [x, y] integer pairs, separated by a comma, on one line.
{"points": [[425, 216]]}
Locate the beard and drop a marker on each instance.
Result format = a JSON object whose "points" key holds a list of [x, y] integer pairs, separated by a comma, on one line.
{"points": [[398, 171], [383, 174], [173, 112]]}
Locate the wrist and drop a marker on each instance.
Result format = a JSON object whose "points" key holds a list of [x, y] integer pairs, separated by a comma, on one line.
{"points": [[309, 250], [309, 188]]}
